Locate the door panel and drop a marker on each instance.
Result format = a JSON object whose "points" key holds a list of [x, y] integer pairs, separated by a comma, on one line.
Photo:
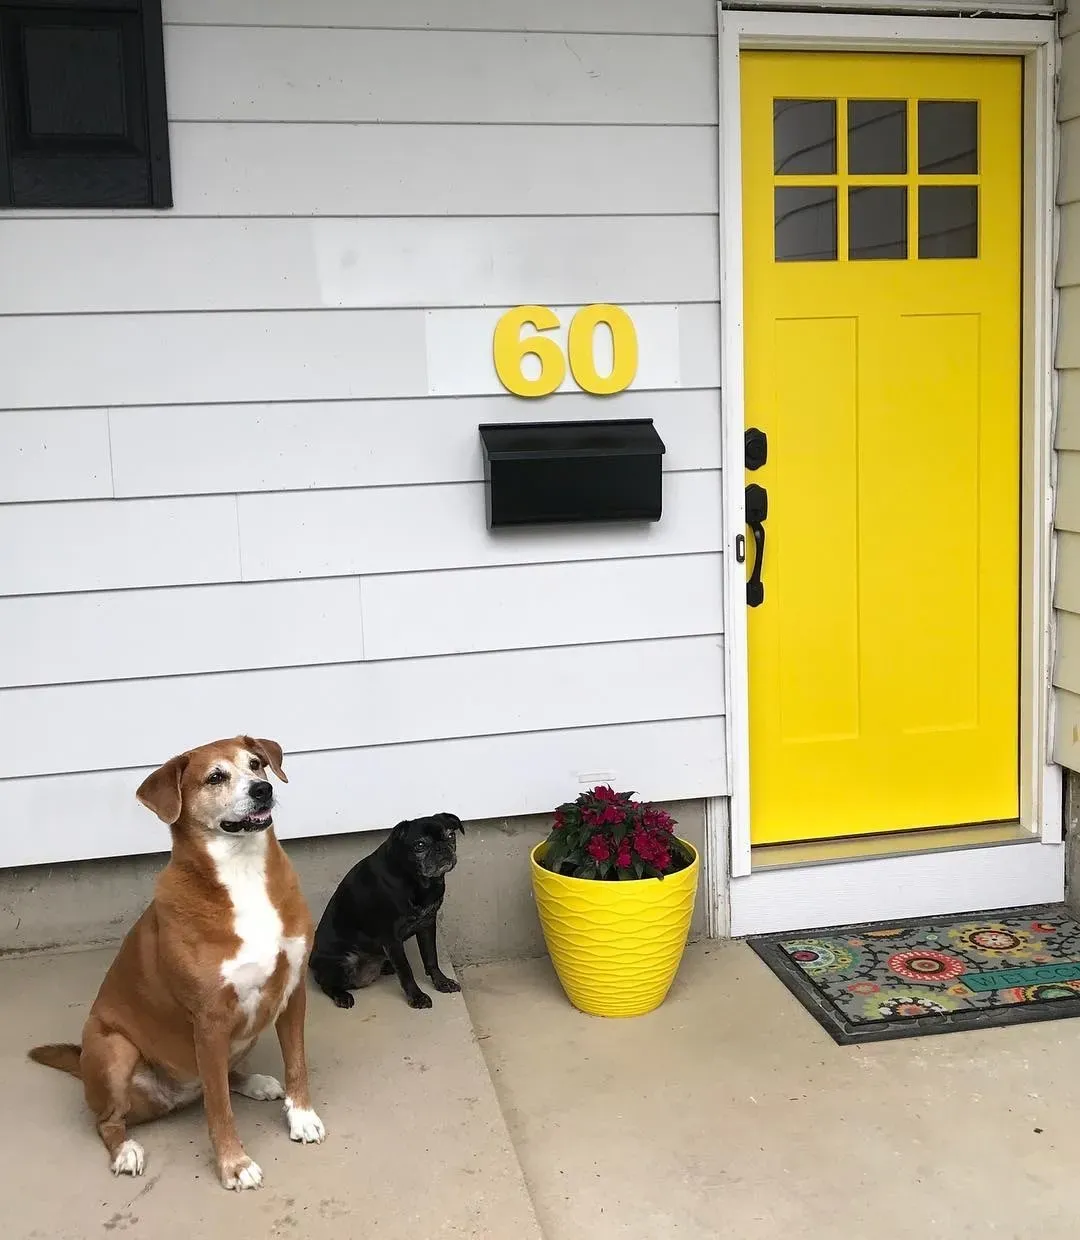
{"points": [[882, 241]]}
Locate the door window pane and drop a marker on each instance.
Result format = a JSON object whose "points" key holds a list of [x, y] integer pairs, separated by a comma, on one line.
{"points": [[948, 221], [804, 136], [877, 136], [877, 222], [805, 224], [948, 137]]}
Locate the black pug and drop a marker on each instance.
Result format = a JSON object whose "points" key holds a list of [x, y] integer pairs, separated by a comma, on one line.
{"points": [[383, 901]]}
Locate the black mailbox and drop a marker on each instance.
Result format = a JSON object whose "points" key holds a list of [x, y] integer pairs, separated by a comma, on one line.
{"points": [[541, 473]]}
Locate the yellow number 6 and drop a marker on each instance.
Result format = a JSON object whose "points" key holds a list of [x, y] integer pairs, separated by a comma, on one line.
{"points": [[510, 350], [580, 346]]}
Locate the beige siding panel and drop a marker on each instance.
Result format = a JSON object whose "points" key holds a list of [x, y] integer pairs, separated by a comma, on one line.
{"points": [[1067, 431], [341, 443], [625, 16], [167, 264], [1067, 514], [265, 74], [1067, 730], [54, 454], [1067, 576], [1067, 660], [1068, 342], [138, 722], [1068, 263], [1069, 157], [1069, 78], [1068, 22]]}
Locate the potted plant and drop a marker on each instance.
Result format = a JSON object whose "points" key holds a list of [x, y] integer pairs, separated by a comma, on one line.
{"points": [[614, 887]]}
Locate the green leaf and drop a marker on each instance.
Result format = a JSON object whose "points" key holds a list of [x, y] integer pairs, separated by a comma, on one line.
{"points": [[639, 868], [605, 868]]}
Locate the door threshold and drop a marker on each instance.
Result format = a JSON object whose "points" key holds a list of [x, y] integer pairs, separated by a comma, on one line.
{"points": [[899, 843]]}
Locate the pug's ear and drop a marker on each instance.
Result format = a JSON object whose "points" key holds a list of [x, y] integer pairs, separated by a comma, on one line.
{"points": [[160, 791], [270, 752], [450, 822]]}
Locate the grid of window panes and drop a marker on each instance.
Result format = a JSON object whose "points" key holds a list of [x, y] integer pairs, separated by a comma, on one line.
{"points": [[856, 178]]}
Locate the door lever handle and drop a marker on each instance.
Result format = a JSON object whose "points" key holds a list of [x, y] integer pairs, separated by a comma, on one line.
{"points": [[757, 510]]}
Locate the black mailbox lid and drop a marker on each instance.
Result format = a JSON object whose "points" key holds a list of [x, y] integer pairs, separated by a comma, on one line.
{"points": [[523, 441]]}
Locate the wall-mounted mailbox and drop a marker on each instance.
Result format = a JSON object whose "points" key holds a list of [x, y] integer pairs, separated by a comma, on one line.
{"points": [[541, 473]]}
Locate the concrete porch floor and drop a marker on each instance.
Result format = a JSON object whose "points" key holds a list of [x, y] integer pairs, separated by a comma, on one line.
{"points": [[715, 1118], [708, 1118], [417, 1148]]}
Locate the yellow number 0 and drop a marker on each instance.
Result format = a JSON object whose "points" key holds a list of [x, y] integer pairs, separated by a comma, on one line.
{"points": [[580, 342], [510, 349]]}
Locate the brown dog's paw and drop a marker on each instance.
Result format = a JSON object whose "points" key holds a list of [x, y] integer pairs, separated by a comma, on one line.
{"points": [[240, 1173], [343, 1000]]}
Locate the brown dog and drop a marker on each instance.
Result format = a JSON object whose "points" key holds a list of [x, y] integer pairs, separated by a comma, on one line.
{"points": [[218, 956]]}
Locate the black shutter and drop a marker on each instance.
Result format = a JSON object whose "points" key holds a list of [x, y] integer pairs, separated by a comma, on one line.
{"points": [[82, 97]]}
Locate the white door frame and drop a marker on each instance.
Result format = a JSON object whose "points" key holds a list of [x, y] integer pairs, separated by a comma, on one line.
{"points": [[1040, 780]]}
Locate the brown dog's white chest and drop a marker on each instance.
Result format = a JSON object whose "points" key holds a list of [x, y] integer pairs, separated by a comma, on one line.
{"points": [[267, 965]]}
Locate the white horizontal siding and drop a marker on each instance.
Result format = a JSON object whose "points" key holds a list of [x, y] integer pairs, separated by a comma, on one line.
{"points": [[54, 454], [169, 631], [364, 789], [435, 170], [53, 638], [270, 525], [110, 544], [407, 529], [312, 74], [410, 614], [284, 447], [103, 545], [115, 265], [624, 16], [151, 359], [136, 722]]}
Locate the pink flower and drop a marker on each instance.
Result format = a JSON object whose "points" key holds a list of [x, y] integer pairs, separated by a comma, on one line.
{"points": [[598, 848]]}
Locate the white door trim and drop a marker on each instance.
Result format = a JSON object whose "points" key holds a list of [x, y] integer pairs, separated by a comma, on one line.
{"points": [[1035, 40]]}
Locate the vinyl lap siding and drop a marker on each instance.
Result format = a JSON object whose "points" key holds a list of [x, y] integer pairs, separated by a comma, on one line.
{"points": [[240, 479], [1067, 435]]}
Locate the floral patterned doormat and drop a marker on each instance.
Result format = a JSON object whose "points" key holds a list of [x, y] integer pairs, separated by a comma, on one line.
{"points": [[906, 979]]}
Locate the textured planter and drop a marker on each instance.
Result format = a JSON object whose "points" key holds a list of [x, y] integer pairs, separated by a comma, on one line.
{"points": [[616, 946]]}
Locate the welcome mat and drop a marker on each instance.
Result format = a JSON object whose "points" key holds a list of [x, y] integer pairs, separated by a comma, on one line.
{"points": [[906, 979]]}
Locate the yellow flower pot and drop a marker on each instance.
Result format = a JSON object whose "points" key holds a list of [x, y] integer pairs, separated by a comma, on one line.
{"points": [[616, 946]]}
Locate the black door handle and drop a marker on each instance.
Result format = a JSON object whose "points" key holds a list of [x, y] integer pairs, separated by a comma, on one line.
{"points": [[757, 510]]}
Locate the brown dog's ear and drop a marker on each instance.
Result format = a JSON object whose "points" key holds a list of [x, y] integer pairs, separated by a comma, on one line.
{"points": [[270, 752], [161, 790]]}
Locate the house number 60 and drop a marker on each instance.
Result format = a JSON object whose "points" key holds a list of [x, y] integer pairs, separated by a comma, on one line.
{"points": [[511, 348]]}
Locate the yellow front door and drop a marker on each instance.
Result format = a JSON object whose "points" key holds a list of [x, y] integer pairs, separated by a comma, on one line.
{"points": [[882, 240]]}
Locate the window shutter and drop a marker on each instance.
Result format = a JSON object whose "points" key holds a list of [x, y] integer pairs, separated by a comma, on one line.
{"points": [[83, 106]]}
